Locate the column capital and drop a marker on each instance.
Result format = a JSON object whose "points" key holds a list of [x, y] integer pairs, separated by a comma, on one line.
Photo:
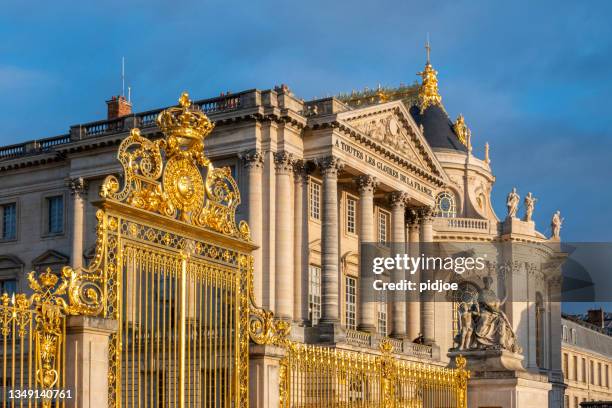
{"points": [[366, 183], [330, 166], [301, 171], [426, 214], [77, 186], [412, 217], [252, 159], [398, 199], [283, 162]]}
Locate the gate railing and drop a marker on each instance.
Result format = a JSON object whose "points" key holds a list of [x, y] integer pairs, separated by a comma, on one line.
{"points": [[313, 376], [32, 343]]}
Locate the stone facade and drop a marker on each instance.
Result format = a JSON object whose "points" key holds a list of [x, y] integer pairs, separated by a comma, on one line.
{"points": [[586, 362], [317, 179]]}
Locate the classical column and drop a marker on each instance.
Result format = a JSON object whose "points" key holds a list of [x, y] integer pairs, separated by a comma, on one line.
{"points": [[427, 299], [414, 304], [300, 236], [398, 247], [366, 315], [283, 288], [253, 162], [330, 166], [78, 189]]}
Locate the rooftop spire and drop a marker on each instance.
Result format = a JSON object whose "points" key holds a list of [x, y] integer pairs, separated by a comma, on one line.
{"points": [[428, 92]]}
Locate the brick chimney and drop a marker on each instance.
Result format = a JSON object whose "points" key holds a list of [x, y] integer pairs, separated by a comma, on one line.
{"points": [[596, 317], [118, 106]]}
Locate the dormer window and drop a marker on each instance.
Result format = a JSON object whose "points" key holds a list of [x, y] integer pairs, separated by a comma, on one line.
{"points": [[446, 206]]}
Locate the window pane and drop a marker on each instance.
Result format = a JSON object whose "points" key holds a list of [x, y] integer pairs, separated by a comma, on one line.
{"points": [[8, 286], [351, 215], [56, 214], [315, 200], [314, 294], [382, 227], [351, 303], [9, 221], [382, 314]]}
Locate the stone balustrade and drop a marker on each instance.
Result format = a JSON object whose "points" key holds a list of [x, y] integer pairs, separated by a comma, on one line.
{"points": [[221, 104], [475, 225], [364, 339]]}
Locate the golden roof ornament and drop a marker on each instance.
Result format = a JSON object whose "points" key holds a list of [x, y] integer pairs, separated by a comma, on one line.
{"points": [[428, 91], [461, 130], [173, 177]]}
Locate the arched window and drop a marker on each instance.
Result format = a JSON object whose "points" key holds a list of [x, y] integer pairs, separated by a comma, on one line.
{"points": [[446, 205]]}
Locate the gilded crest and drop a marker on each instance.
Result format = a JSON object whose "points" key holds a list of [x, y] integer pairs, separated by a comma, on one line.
{"points": [[173, 177]]}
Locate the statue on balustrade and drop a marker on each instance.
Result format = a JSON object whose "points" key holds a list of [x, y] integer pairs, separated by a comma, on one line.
{"points": [[512, 202], [484, 325], [555, 225], [530, 201]]}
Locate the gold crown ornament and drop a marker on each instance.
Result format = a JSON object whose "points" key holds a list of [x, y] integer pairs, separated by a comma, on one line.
{"points": [[186, 127]]}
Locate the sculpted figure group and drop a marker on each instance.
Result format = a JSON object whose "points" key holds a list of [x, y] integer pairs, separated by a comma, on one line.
{"points": [[483, 324]]}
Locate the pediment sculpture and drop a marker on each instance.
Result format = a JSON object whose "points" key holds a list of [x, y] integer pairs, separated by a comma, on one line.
{"points": [[388, 130]]}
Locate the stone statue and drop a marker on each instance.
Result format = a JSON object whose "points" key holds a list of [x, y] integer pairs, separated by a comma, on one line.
{"points": [[530, 201], [555, 225], [484, 325], [467, 312], [512, 202]]}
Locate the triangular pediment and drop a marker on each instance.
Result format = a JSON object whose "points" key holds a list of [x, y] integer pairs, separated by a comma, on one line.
{"points": [[50, 257], [10, 262], [390, 125]]}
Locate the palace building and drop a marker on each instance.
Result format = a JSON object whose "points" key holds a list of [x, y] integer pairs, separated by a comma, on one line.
{"points": [[318, 179]]}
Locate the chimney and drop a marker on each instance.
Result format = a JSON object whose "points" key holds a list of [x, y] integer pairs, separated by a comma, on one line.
{"points": [[118, 106], [596, 317]]}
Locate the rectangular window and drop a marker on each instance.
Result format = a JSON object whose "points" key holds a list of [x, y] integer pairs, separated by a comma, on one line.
{"points": [[592, 372], [351, 215], [584, 372], [315, 200], [382, 314], [576, 402], [565, 368], [8, 286], [314, 294], [575, 368], [55, 208], [351, 303], [599, 376], [607, 376], [566, 401], [383, 223], [9, 221]]}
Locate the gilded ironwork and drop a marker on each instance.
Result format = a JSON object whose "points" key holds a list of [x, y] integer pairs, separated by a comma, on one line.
{"points": [[461, 130], [317, 376], [165, 176], [35, 328]]}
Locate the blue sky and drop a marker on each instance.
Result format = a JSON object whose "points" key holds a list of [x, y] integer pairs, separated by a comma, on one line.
{"points": [[532, 78]]}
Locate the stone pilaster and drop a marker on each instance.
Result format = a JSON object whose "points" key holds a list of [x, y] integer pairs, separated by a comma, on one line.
{"points": [[414, 305], [253, 163], [284, 238], [427, 299], [264, 375], [78, 190], [300, 243], [330, 286], [398, 247], [366, 315], [87, 340]]}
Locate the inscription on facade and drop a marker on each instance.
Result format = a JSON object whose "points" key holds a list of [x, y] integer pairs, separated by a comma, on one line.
{"points": [[382, 166]]}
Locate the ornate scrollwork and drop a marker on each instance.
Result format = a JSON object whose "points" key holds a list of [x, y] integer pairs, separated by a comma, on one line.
{"points": [[166, 176]]}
